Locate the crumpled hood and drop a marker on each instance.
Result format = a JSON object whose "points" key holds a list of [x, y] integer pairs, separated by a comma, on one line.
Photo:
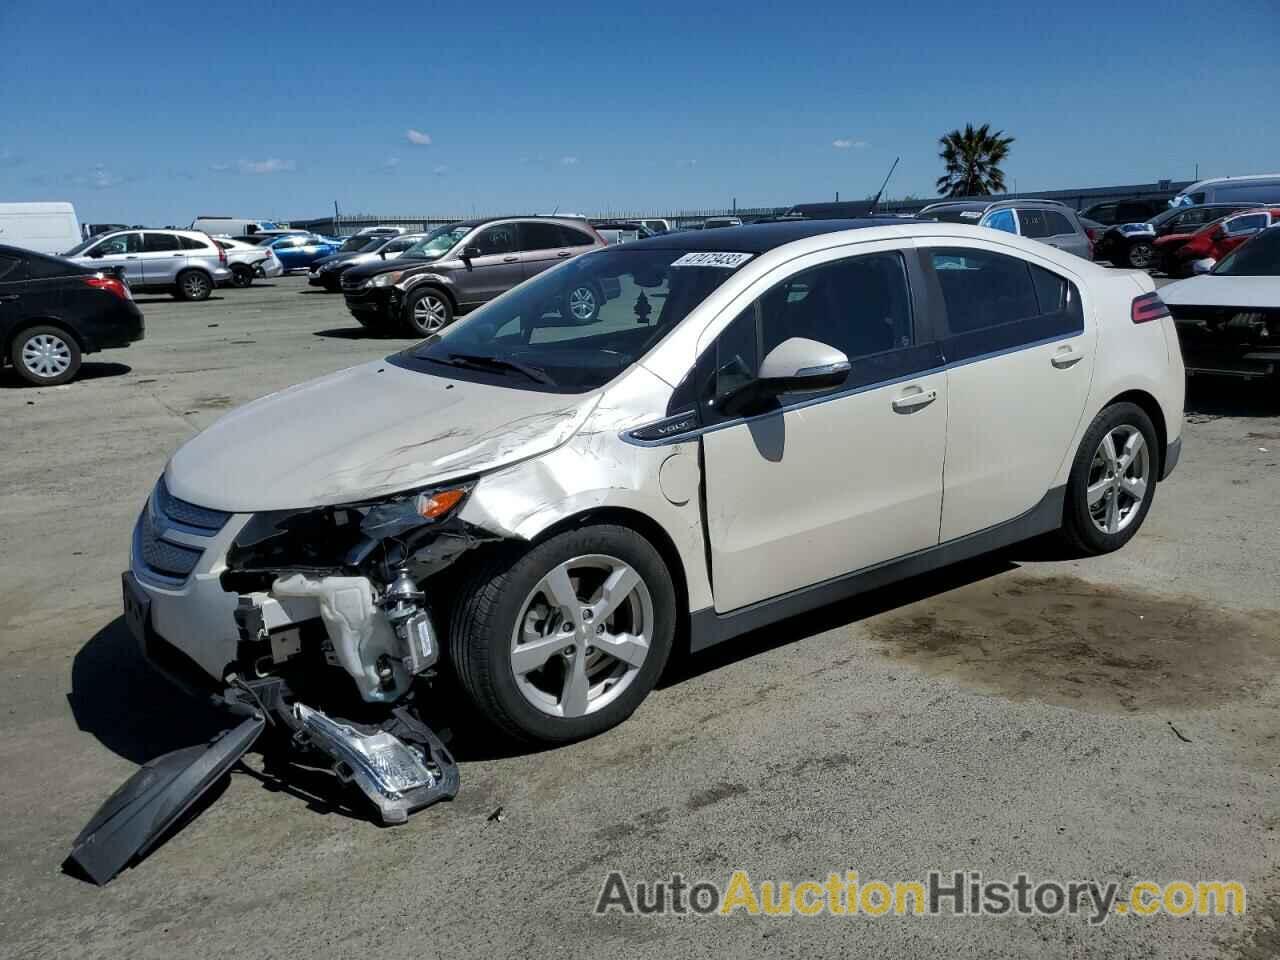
{"points": [[1211, 290], [364, 432]]}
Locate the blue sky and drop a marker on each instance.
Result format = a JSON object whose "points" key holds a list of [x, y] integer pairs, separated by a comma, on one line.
{"points": [[158, 112]]}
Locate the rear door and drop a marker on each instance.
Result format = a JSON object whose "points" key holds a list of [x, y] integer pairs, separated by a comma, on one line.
{"points": [[162, 258], [14, 304], [542, 245], [814, 486], [490, 265], [1019, 362]]}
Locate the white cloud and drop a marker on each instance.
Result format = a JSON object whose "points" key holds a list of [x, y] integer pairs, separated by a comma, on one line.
{"points": [[845, 143], [391, 163], [219, 167], [99, 178], [569, 161], [418, 137], [270, 165]]}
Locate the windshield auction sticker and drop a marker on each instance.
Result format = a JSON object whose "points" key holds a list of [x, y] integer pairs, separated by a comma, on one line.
{"points": [[728, 261]]}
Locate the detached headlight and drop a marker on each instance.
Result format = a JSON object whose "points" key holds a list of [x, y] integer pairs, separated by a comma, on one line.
{"points": [[384, 279]]}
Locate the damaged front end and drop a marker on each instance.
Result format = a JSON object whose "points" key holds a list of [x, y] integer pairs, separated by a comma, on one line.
{"points": [[336, 612]]}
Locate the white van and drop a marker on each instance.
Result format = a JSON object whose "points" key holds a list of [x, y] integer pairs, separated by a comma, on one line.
{"points": [[234, 226], [43, 227], [1262, 188]]}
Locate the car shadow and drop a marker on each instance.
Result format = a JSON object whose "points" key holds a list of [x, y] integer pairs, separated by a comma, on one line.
{"points": [[317, 293], [355, 333], [132, 710], [90, 370], [143, 301], [1210, 397]]}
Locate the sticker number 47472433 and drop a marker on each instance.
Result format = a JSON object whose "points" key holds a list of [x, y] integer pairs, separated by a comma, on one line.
{"points": [[707, 259]]}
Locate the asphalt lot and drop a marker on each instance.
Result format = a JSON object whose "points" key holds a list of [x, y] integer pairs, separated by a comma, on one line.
{"points": [[1012, 715]]}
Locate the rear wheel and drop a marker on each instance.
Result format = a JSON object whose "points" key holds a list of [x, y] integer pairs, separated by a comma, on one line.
{"points": [[193, 285], [45, 356], [1113, 480], [564, 641], [582, 303]]}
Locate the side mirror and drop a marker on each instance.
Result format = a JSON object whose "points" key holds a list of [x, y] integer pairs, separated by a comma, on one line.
{"points": [[472, 251], [96, 253], [799, 365], [382, 254]]}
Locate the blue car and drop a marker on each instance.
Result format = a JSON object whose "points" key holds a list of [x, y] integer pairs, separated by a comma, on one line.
{"points": [[300, 252]]}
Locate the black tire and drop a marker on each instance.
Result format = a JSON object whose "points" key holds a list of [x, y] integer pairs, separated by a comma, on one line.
{"points": [[241, 276], [578, 299], [490, 602], [1140, 255], [1079, 528], [42, 339], [193, 285], [427, 311]]}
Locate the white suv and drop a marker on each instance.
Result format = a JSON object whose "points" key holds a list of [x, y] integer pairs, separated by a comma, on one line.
{"points": [[756, 425]]}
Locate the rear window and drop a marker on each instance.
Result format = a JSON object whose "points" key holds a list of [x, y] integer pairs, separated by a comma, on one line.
{"points": [[191, 243], [576, 238], [43, 268], [159, 243], [1057, 223]]}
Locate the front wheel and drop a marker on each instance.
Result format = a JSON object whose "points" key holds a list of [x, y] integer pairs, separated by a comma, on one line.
{"points": [[582, 303], [1141, 255], [428, 311], [565, 641], [45, 356], [1112, 481], [241, 276]]}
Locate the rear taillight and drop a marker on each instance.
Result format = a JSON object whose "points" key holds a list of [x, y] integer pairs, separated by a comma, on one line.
{"points": [[111, 285], [222, 254], [1148, 307]]}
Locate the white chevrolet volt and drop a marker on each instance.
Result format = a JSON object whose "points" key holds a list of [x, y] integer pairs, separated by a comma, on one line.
{"points": [[754, 422]]}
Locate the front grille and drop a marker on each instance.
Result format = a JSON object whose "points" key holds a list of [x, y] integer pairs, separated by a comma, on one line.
{"points": [[170, 537]]}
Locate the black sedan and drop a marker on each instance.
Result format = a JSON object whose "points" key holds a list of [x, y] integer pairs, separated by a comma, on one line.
{"points": [[53, 311]]}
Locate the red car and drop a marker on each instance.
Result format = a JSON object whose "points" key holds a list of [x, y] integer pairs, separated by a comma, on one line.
{"points": [[1179, 253]]}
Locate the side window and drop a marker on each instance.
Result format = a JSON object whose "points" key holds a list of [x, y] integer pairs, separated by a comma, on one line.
{"points": [[996, 303], [191, 243], [982, 289], [1033, 224], [1247, 224], [575, 238], [1104, 214], [861, 306], [1002, 220], [398, 246], [9, 268], [538, 236], [495, 240], [43, 268], [118, 245], [1057, 223], [159, 243]]}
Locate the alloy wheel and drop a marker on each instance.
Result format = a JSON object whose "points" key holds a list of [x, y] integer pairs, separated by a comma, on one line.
{"points": [[194, 286], [1119, 478], [582, 303], [46, 356], [1141, 255], [429, 313], [583, 634]]}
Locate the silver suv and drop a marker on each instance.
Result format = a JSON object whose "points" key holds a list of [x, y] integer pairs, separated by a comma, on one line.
{"points": [[186, 263], [1045, 220]]}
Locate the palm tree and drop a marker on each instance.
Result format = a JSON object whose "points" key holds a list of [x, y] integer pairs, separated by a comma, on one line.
{"points": [[973, 161]]}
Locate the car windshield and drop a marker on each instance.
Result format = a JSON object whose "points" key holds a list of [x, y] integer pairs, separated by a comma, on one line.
{"points": [[366, 242], [1164, 216], [438, 242], [1259, 257], [82, 246], [576, 327]]}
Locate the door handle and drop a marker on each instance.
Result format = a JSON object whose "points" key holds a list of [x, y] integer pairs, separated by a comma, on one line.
{"points": [[564, 253], [131, 258], [1066, 357], [510, 259], [911, 402], [8, 297]]}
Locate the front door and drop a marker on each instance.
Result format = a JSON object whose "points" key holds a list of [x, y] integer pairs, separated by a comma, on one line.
{"points": [[814, 486], [491, 264], [118, 250], [1020, 358]]}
